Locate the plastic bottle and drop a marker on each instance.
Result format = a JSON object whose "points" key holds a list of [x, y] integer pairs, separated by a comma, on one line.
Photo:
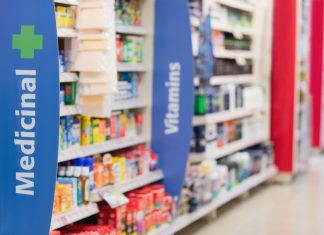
{"points": [[91, 173], [69, 173], [85, 185], [77, 175]]}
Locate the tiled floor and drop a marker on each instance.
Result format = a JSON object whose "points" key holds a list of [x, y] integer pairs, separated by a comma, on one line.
{"points": [[296, 209]]}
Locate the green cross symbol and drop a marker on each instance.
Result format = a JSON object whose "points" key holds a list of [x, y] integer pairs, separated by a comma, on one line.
{"points": [[27, 42]]}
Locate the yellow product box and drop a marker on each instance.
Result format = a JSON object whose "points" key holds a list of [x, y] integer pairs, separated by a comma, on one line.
{"points": [[85, 131], [96, 130], [66, 198], [116, 167], [61, 15], [102, 130], [123, 172]]}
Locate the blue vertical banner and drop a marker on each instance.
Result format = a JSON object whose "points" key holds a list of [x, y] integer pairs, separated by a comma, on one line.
{"points": [[173, 91], [29, 102]]}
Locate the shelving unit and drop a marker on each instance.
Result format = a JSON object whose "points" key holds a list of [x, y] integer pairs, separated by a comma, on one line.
{"points": [[233, 54], [222, 116], [128, 104], [66, 33], [258, 77], [74, 215], [68, 2], [108, 146], [142, 103], [131, 30], [221, 200], [227, 149], [232, 79], [68, 77], [237, 4], [129, 185], [67, 110], [233, 30], [303, 96], [131, 67]]}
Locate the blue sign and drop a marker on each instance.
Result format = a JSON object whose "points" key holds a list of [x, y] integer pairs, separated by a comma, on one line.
{"points": [[29, 102], [173, 92]]}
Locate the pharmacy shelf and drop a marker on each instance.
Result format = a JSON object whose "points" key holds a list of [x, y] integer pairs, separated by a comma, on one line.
{"points": [[129, 185], [66, 110], [129, 29], [236, 31], [223, 198], [222, 116], [61, 220], [227, 149], [66, 33], [128, 104], [68, 77], [232, 79], [108, 146], [233, 54], [237, 4], [122, 67]]}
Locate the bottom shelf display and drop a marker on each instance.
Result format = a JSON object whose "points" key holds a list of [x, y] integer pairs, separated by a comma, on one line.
{"points": [[148, 208], [225, 197]]}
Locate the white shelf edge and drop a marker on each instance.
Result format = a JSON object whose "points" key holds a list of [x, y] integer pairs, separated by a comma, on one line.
{"points": [[130, 29], [185, 220], [128, 104], [233, 79], [68, 77], [123, 67], [227, 149], [66, 33], [239, 5], [222, 116], [108, 146], [228, 79], [233, 54], [67, 2], [61, 220], [66, 110], [129, 185]]}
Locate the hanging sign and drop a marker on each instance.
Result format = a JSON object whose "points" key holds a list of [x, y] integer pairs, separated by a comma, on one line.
{"points": [[29, 101], [173, 91]]}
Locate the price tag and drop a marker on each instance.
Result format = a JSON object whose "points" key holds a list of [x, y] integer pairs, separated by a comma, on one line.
{"points": [[114, 198]]}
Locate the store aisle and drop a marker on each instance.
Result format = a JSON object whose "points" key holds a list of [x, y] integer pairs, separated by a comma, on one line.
{"points": [[296, 209]]}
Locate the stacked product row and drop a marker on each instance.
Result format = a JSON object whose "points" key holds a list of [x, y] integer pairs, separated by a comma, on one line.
{"points": [[77, 178], [147, 209], [209, 179], [229, 97], [107, 93], [95, 58], [211, 138], [80, 130]]}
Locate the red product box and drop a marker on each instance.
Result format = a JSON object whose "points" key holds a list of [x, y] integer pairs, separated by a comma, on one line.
{"points": [[113, 217], [158, 191], [55, 233], [146, 194], [167, 202]]}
